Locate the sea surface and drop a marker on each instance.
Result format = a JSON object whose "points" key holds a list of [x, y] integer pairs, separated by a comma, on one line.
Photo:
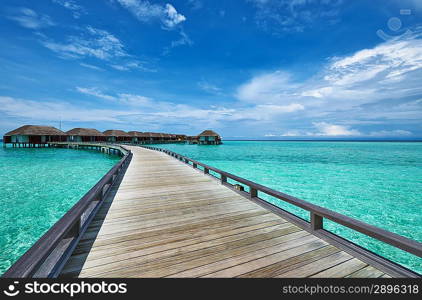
{"points": [[379, 183], [376, 182], [38, 186]]}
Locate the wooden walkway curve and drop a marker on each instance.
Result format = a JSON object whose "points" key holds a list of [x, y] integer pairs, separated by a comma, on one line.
{"points": [[169, 220]]}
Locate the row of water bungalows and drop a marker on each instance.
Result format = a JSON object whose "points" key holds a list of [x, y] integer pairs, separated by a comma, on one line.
{"points": [[40, 136]]}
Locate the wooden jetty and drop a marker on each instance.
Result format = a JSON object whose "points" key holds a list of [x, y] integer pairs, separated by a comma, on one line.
{"points": [[169, 216]]}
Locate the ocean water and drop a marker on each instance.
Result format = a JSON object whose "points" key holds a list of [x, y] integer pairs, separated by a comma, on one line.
{"points": [[379, 183], [38, 186]]}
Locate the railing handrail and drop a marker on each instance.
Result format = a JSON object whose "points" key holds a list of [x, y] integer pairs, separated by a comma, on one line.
{"points": [[317, 212], [28, 264]]}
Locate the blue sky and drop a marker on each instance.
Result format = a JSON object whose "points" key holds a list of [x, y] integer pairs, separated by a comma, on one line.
{"points": [[273, 69]]}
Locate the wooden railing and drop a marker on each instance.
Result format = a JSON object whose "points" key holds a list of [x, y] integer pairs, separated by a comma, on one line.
{"points": [[48, 255], [317, 213]]}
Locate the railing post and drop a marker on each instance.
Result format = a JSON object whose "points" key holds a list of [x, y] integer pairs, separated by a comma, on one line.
{"points": [[75, 230], [317, 222], [206, 171], [223, 179], [253, 193], [194, 165]]}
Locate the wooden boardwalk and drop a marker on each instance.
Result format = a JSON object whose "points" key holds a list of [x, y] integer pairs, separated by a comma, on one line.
{"points": [[169, 220]]}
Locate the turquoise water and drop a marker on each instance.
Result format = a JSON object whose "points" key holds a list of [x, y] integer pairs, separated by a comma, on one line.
{"points": [[38, 186], [376, 182]]}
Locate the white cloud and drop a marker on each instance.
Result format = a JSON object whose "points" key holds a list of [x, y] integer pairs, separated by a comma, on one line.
{"points": [[77, 10], [266, 88], [136, 100], [326, 129], [280, 16], [132, 109], [172, 16], [259, 112], [145, 11], [93, 91], [144, 113], [209, 88], [41, 111], [390, 133], [183, 40], [292, 133], [99, 44], [28, 18], [120, 67], [121, 98], [388, 60], [132, 65], [89, 66], [355, 89], [318, 93]]}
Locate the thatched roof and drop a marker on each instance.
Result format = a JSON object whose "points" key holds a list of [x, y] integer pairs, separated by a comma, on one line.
{"points": [[154, 134], [144, 134], [35, 130], [85, 132], [135, 133], [208, 133], [115, 133]]}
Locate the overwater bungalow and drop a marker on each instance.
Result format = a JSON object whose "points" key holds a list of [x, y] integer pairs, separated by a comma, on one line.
{"points": [[181, 137], [192, 139], [166, 137], [137, 136], [154, 137], [147, 137], [209, 137], [85, 135], [34, 136], [117, 136]]}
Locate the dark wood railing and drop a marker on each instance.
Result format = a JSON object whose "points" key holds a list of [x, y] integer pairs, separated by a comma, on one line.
{"points": [[48, 255], [317, 213]]}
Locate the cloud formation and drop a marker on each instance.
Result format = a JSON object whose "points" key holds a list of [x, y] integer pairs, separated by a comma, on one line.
{"points": [[145, 11], [281, 16], [210, 88], [76, 9], [28, 18], [93, 43], [380, 84]]}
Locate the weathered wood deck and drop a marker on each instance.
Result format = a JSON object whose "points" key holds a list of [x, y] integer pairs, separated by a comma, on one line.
{"points": [[169, 220]]}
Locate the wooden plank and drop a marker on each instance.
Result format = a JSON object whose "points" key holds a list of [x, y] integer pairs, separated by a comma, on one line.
{"points": [[178, 231], [131, 239], [134, 246], [130, 259], [169, 220], [222, 260], [367, 272], [267, 260], [317, 266], [291, 263], [169, 228], [342, 270], [164, 265]]}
